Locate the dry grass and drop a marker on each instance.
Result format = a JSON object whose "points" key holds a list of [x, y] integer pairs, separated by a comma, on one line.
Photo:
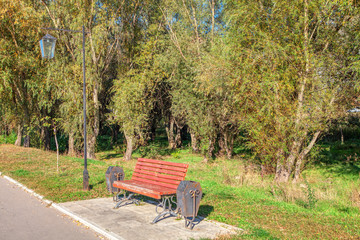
{"points": [[250, 175], [355, 196], [242, 175]]}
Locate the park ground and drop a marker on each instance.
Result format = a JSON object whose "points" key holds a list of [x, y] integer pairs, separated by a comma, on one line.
{"points": [[325, 204]]}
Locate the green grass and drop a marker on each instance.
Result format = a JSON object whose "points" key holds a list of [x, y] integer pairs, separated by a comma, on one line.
{"points": [[234, 193], [4, 139]]}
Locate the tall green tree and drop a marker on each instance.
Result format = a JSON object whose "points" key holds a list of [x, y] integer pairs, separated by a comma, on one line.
{"points": [[20, 65], [292, 64], [102, 41], [139, 78], [200, 96]]}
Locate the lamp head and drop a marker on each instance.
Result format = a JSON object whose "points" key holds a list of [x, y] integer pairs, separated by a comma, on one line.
{"points": [[47, 46]]}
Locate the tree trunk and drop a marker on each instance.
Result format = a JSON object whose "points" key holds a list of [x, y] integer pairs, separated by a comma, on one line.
{"points": [[222, 143], [210, 151], [45, 138], [287, 168], [19, 135], [284, 171], [71, 151], [302, 155], [170, 133], [229, 144], [178, 137], [212, 7], [27, 140], [281, 174], [94, 132], [302, 87], [91, 146], [27, 137], [130, 142], [196, 31], [194, 141]]}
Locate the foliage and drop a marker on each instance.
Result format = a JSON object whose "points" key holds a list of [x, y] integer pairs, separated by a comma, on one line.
{"points": [[20, 66], [275, 76], [292, 67], [152, 151], [8, 139]]}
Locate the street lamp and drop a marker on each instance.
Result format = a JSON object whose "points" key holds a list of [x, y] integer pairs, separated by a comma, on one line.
{"points": [[47, 45]]}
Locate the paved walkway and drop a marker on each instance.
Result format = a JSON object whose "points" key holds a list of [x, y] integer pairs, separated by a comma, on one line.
{"points": [[23, 216], [134, 222]]}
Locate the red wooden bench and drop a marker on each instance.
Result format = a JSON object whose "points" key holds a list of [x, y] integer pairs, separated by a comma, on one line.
{"points": [[153, 178]]}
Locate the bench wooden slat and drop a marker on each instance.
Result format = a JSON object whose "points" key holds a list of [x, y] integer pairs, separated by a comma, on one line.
{"points": [[161, 166], [181, 174], [159, 174], [159, 179], [145, 189], [154, 182], [183, 165]]}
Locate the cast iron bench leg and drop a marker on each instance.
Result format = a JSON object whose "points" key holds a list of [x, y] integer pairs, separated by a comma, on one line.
{"points": [[125, 200], [166, 205], [189, 223]]}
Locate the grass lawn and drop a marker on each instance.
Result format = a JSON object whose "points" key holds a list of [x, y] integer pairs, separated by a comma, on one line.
{"points": [[324, 206]]}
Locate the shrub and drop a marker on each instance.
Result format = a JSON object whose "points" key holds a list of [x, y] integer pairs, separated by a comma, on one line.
{"points": [[11, 138]]}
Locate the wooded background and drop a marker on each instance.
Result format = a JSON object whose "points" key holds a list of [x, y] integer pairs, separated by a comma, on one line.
{"points": [[273, 76]]}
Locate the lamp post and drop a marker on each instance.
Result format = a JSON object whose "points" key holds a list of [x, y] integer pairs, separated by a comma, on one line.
{"points": [[47, 46]]}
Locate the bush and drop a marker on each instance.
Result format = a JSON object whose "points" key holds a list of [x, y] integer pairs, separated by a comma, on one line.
{"points": [[104, 143], [153, 151], [8, 139], [62, 141]]}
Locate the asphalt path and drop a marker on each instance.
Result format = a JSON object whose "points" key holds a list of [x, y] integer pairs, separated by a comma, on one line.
{"points": [[23, 216]]}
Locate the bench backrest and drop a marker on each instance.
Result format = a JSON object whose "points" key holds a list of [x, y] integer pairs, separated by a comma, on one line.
{"points": [[161, 173]]}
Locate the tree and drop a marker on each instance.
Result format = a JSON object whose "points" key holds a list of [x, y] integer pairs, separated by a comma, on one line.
{"points": [[199, 80], [292, 60], [99, 19], [19, 65]]}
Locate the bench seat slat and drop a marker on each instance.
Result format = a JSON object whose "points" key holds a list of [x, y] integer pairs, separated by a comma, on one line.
{"points": [[161, 166], [183, 165], [159, 175], [181, 174], [158, 178], [147, 189], [172, 186]]}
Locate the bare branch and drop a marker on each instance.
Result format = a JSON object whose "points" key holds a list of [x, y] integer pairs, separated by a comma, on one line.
{"points": [[173, 35]]}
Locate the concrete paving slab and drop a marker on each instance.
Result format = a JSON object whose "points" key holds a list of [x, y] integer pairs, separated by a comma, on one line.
{"points": [[134, 222]]}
